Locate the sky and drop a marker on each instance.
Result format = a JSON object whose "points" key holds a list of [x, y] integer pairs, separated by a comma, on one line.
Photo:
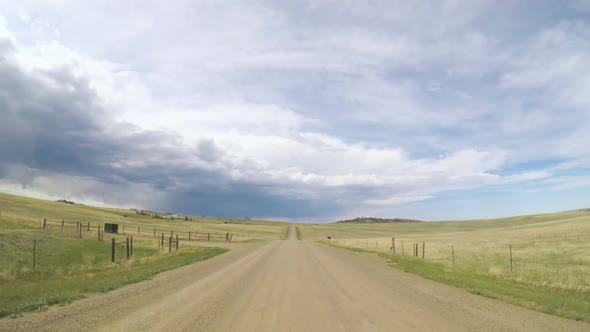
{"points": [[308, 111]]}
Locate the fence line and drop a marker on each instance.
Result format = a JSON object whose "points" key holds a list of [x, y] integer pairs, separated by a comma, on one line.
{"points": [[79, 228], [190, 236], [501, 254]]}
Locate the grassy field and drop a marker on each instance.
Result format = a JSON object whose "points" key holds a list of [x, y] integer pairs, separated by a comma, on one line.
{"points": [[550, 256], [67, 268], [31, 212]]}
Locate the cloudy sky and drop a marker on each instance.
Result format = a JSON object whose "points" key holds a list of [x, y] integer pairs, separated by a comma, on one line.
{"points": [[306, 110]]}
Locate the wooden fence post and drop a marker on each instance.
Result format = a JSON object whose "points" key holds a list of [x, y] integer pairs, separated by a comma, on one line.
{"points": [[127, 246], [393, 244], [511, 258], [131, 246], [189, 235], [154, 232], [34, 253], [403, 252], [80, 231], [176, 242], [113, 250], [62, 224], [231, 237], [170, 244], [162, 241], [137, 230], [123, 231], [423, 249], [99, 233], [44, 223], [453, 253], [171, 233], [88, 229], [208, 237]]}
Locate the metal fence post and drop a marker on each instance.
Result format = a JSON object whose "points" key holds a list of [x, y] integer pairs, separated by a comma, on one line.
{"points": [[113, 250]]}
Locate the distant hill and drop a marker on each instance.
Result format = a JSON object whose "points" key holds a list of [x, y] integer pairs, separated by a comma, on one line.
{"points": [[372, 220]]}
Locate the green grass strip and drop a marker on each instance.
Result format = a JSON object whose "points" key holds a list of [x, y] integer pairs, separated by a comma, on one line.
{"points": [[39, 289], [560, 302]]}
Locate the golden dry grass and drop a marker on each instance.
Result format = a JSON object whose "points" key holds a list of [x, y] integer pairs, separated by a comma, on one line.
{"points": [[552, 250]]}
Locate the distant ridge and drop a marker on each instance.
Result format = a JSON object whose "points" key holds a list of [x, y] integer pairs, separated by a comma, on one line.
{"points": [[373, 220]]}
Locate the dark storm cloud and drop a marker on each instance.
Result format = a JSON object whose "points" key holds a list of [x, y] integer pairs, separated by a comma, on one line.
{"points": [[249, 200], [51, 122]]}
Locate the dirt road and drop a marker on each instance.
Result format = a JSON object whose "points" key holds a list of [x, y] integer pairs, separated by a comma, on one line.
{"points": [[289, 286]]}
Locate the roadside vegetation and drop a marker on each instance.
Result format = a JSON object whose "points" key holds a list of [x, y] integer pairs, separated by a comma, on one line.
{"points": [[67, 267], [550, 256]]}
